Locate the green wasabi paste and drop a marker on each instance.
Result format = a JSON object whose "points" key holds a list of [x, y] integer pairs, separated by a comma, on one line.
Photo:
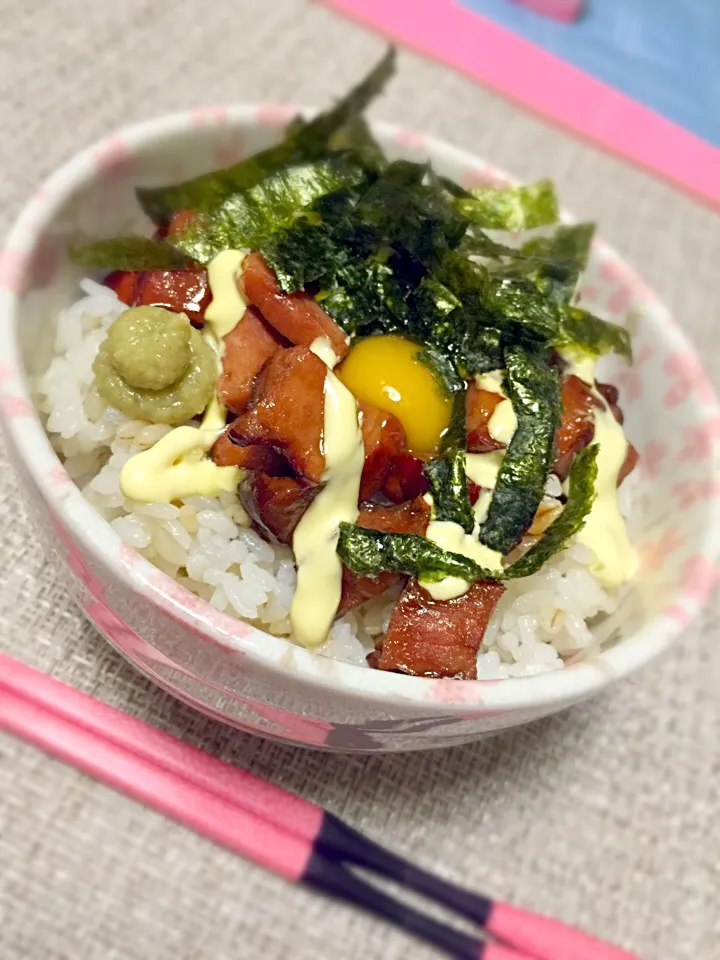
{"points": [[155, 366]]}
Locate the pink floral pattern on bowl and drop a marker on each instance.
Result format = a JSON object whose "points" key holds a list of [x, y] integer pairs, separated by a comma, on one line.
{"points": [[264, 684]]}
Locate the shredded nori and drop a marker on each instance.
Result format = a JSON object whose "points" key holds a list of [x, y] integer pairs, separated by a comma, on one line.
{"points": [[533, 386], [582, 329], [511, 208], [556, 262], [446, 472], [365, 298], [412, 214], [304, 254], [385, 247]]}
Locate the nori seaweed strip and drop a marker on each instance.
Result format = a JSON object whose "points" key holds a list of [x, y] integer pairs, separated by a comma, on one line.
{"points": [[126, 253], [583, 329], [247, 219], [367, 553], [556, 262], [446, 473], [316, 133], [356, 136], [305, 253], [534, 388], [412, 213], [366, 298], [513, 305], [482, 351], [432, 317], [521, 207], [442, 366], [523, 312], [476, 243], [581, 494], [327, 239]]}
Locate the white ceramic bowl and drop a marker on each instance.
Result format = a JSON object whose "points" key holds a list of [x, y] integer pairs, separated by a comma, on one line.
{"points": [[266, 685]]}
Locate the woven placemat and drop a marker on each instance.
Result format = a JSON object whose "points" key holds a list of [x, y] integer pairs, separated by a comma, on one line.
{"points": [[605, 816]]}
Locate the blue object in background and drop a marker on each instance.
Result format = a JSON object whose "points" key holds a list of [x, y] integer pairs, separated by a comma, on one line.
{"points": [[663, 53]]}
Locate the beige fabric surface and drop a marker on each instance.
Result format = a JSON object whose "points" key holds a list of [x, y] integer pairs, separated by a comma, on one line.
{"points": [[605, 815]]}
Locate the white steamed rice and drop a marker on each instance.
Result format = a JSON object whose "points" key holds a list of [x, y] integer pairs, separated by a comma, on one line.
{"points": [[207, 544]]}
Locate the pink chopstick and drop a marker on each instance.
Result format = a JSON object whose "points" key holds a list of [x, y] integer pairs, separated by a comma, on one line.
{"points": [[264, 823]]}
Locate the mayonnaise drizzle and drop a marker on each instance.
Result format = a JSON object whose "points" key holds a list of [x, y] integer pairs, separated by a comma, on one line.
{"points": [[481, 468], [492, 381], [319, 569], [322, 348], [227, 306], [503, 422], [177, 466], [604, 531], [579, 364]]}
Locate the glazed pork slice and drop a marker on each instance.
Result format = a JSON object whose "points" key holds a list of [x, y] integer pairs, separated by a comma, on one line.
{"points": [[182, 291], [288, 411], [611, 395], [383, 438], [405, 479], [186, 291], [480, 406], [276, 504], [248, 346], [576, 427], [411, 517], [124, 284], [296, 315], [256, 456], [438, 638]]}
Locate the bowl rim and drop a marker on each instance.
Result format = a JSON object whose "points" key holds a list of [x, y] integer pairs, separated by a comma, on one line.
{"points": [[31, 444]]}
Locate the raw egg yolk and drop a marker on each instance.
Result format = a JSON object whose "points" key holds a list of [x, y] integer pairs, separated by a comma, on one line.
{"points": [[386, 371]]}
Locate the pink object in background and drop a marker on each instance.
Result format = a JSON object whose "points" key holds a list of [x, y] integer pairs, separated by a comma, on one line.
{"points": [[565, 10], [555, 90]]}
